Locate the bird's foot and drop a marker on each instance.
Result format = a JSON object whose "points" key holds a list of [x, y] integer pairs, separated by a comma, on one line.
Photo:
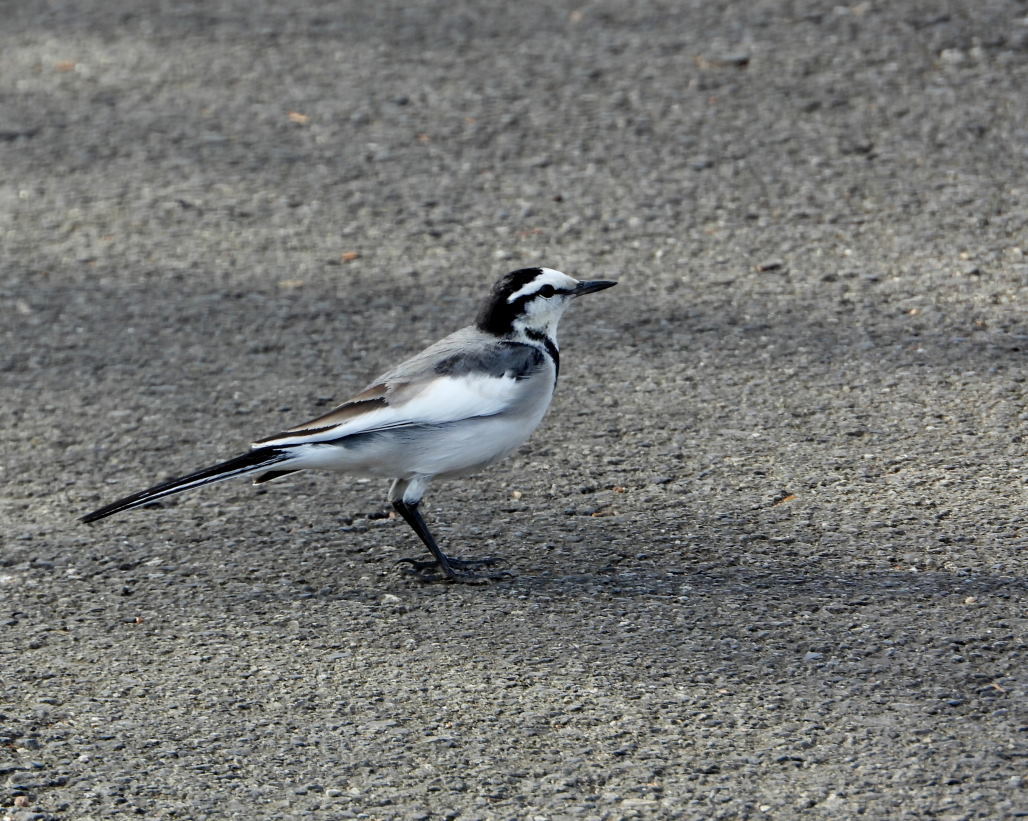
{"points": [[459, 571]]}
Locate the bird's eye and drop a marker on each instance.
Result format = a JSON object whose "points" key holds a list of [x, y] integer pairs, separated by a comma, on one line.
{"points": [[547, 291]]}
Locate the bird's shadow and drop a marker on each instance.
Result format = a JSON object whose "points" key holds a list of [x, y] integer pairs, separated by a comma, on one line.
{"points": [[784, 582]]}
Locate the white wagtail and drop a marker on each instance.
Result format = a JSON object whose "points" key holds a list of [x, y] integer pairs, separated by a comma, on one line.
{"points": [[459, 405]]}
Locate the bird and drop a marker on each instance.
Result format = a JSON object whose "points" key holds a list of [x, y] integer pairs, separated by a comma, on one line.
{"points": [[459, 405]]}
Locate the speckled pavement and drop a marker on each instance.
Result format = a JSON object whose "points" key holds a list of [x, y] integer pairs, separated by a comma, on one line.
{"points": [[769, 547]]}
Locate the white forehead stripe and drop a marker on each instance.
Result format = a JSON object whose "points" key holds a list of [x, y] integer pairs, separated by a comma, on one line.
{"points": [[547, 277]]}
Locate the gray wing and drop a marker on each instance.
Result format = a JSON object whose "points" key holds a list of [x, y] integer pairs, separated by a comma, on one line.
{"points": [[503, 359], [378, 406], [468, 350]]}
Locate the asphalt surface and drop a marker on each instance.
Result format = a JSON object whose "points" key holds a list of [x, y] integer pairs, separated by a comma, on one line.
{"points": [[768, 546]]}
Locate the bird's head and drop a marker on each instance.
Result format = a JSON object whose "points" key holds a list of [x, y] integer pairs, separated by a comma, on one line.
{"points": [[532, 300]]}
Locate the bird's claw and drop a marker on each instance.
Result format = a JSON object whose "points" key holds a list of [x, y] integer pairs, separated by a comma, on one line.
{"points": [[460, 571]]}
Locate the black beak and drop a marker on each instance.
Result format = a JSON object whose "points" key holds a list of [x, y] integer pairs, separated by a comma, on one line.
{"points": [[592, 285]]}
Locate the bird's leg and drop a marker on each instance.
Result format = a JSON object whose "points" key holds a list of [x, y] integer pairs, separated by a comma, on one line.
{"points": [[453, 569]]}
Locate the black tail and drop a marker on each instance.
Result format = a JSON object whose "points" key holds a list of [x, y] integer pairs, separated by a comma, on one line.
{"points": [[258, 459]]}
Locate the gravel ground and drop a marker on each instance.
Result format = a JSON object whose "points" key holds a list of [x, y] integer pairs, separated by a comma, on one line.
{"points": [[769, 544]]}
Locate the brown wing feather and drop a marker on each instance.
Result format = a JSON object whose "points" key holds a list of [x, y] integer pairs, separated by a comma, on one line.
{"points": [[369, 399]]}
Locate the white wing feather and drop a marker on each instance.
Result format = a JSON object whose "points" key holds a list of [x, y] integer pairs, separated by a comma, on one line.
{"points": [[435, 402]]}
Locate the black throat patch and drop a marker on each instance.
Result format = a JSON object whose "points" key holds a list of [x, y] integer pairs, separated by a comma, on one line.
{"points": [[551, 349]]}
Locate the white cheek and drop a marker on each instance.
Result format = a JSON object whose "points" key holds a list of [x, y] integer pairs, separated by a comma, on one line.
{"points": [[542, 311], [545, 314]]}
